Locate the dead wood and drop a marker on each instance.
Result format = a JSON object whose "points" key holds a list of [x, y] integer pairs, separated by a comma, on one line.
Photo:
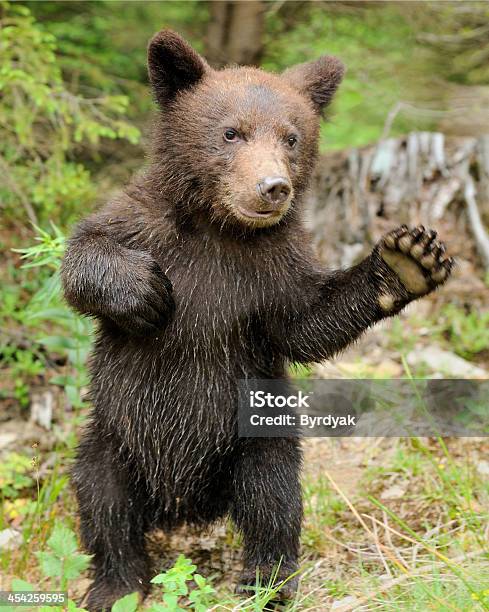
{"points": [[422, 178]]}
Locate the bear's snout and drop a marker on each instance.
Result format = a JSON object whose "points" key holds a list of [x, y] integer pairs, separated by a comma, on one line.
{"points": [[261, 189], [274, 190]]}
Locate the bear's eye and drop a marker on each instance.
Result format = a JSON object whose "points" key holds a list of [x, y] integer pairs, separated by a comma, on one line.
{"points": [[292, 141], [231, 135]]}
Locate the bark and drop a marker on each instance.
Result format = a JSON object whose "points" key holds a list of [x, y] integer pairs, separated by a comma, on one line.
{"points": [[235, 32]]}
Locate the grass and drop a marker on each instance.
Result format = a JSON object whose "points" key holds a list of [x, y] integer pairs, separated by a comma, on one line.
{"points": [[424, 547], [465, 330]]}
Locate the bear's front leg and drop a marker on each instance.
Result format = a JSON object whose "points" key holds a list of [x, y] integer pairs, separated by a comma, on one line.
{"points": [[267, 509], [105, 279], [339, 306]]}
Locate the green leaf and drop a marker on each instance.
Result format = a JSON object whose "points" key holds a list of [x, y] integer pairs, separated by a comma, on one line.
{"points": [[157, 607], [199, 581], [59, 342], [73, 396], [62, 541], [62, 380], [51, 313], [171, 601], [51, 566], [74, 566], [21, 585], [128, 603]]}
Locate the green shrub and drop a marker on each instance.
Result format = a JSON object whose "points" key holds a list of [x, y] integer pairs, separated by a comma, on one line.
{"points": [[43, 124], [47, 326]]}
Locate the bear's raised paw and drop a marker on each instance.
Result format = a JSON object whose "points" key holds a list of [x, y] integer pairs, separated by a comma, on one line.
{"points": [[417, 258]]}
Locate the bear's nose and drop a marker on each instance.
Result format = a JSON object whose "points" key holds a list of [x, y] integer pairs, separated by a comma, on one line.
{"points": [[274, 190]]}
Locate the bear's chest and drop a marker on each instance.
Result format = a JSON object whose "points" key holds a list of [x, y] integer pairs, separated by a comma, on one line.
{"points": [[219, 293], [218, 290]]}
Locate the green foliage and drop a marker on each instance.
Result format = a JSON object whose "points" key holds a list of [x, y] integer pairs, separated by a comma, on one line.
{"points": [[128, 603], [16, 485], [182, 588], [96, 44], [322, 509], [467, 332], [175, 588], [43, 123], [15, 475], [440, 595], [24, 364], [377, 46], [47, 325], [62, 559], [47, 306], [59, 564]]}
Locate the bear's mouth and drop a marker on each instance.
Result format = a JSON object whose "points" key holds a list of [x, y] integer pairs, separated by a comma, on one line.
{"points": [[258, 214]]}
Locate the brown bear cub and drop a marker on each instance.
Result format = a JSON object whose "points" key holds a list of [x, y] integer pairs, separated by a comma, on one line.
{"points": [[200, 274]]}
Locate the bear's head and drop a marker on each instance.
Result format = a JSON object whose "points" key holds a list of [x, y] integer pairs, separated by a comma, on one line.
{"points": [[237, 145]]}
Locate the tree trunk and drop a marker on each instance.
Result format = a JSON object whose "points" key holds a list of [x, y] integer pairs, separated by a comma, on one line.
{"points": [[235, 32]]}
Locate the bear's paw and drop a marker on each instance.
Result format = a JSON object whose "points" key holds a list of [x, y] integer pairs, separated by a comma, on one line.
{"points": [[417, 258]]}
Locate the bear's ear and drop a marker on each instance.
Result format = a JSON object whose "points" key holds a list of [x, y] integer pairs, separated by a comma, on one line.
{"points": [[172, 65], [317, 80]]}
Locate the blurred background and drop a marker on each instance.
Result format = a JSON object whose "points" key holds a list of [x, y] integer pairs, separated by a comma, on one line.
{"points": [[390, 524]]}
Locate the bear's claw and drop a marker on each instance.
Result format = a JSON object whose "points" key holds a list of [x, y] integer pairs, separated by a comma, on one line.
{"points": [[403, 247]]}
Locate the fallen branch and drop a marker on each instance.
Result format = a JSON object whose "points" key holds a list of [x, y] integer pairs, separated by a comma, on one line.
{"points": [[480, 235]]}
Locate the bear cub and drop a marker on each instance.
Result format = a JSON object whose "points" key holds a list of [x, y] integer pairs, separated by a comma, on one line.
{"points": [[201, 274]]}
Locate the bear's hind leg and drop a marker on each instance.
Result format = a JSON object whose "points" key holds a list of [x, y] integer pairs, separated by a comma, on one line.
{"points": [[267, 509], [113, 522]]}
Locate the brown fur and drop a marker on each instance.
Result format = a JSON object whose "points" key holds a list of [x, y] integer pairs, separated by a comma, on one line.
{"points": [[191, 295]]}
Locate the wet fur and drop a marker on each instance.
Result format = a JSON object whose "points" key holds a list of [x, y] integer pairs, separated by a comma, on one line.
{"points": [[188, 300]]}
